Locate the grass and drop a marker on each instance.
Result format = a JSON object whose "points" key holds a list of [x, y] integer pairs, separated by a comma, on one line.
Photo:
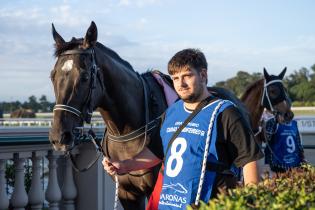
{"points": [[304, 112]]}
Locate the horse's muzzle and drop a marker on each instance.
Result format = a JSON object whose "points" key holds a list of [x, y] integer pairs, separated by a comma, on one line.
{"points": [[61, 142], [284, 117]]}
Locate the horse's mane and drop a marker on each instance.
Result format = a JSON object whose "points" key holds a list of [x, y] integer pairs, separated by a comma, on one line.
{"points": [[114, 55], [228, 95], [75, 43], [250, 88]]}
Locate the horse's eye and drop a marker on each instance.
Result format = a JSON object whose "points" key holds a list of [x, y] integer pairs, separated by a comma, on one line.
{"points": [[85, 77], [274, 92]]}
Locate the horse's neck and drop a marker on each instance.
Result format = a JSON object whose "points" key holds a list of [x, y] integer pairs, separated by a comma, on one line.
{"points": [[123, 105], [253, 103], [114, 127]]}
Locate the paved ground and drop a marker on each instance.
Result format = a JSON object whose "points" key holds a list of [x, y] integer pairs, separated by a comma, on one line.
{"points": [[309, 153]]}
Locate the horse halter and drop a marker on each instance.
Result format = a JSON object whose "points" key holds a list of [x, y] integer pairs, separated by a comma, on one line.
{"points": [[265, 100], [85, 117]]}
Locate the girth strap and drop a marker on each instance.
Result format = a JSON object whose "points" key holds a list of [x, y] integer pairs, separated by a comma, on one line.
{"points": [[135, 134]]}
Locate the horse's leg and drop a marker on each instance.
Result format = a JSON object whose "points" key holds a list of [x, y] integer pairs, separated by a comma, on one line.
{"points": [[134, 189], [131, 201]]}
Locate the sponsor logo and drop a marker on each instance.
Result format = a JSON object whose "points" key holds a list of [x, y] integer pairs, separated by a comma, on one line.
{"points": [[177, 198], [176, 187]]}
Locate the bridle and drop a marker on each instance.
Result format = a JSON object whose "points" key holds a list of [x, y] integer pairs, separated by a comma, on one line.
{"points": [[88, 105], [266, 102], [79, 135], [266, 96]]}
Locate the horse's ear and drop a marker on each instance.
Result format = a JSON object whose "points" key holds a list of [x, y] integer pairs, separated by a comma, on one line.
{"points": [[266, 75], [91, 36], [281, 75], [58, 39]]}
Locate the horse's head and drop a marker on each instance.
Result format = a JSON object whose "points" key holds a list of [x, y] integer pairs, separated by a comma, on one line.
{"points": [[74, 78], [275, 97]]}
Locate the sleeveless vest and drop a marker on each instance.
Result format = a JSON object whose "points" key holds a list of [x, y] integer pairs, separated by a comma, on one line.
{"points": [[183, 161], [284, 146]]}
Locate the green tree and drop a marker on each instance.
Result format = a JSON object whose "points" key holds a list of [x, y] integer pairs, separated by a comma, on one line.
{"points": [[45, 106], [301, 85], [239, 83]]}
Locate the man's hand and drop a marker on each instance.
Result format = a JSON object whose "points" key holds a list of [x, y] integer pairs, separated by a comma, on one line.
{"points": [[113, 167]]}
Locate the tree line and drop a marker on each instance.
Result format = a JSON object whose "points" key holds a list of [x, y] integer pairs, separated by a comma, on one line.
{"points": [[37, 105], [300, 85]]}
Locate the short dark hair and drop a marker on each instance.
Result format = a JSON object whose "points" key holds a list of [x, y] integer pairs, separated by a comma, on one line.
{"points": [[190, 57]]}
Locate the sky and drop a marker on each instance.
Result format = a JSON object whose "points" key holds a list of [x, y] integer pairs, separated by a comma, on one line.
{"points": [[238, 35]]}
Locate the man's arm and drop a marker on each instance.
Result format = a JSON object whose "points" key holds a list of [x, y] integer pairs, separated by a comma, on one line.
{"points": [[250, 173], [241, 145], [144, 160]]}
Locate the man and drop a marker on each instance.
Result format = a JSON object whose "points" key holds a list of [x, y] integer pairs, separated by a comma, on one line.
{"points": [[219, 124]]}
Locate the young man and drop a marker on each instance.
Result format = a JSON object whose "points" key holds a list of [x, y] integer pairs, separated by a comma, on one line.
{"points": [[219, 127]]}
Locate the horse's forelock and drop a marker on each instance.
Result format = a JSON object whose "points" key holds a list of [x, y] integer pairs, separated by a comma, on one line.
{"points": [[74, 43]]}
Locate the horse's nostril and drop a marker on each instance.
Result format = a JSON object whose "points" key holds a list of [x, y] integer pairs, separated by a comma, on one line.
{"points": [[53, 142]]}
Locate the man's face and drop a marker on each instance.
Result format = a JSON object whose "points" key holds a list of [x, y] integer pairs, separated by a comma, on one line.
{"points": [[189, 84]]}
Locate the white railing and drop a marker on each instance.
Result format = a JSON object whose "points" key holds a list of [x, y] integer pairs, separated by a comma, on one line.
{"points": [[39, 122], [63, 188]]}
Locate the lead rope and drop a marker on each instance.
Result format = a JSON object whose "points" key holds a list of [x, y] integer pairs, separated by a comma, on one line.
{"points": [[205, 155], [145, 138], [116, 192]]}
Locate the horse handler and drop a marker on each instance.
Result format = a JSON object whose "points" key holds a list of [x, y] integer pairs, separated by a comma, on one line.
{"points": [[200, 157]]}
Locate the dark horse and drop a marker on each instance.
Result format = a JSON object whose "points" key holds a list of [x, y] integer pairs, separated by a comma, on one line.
{"points": [[87, 75], [270, 93]]}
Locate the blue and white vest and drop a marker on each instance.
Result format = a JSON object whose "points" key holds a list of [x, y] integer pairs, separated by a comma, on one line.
{"points": [[183, 161], [284, 146]]}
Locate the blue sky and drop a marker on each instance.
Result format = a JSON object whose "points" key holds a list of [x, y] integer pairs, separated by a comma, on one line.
{"points": [[234, 35]]}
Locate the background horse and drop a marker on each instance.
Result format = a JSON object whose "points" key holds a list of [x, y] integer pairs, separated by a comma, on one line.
{"points": [[270, 93], [87, 75], [23, 113]]}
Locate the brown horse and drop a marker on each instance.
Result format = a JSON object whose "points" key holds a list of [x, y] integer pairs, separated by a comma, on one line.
{"points": [[270, 93], [23, 113], [87, 75]]}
